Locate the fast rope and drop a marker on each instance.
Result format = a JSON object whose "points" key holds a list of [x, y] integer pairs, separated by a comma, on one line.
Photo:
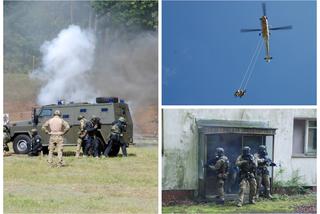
{"points": [[254, 64], [247, 75]]}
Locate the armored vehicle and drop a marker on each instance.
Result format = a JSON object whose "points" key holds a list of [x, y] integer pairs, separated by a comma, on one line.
{"points": [[108, 109]]}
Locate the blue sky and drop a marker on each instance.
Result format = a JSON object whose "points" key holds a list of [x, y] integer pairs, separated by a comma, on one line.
{"points": [[204, 55]]}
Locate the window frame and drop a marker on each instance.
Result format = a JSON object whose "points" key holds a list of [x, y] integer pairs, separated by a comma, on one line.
{"points": [[45, 110], [305, 153], [306, 138]]}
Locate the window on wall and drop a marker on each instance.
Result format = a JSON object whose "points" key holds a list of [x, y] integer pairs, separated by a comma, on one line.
{"points": [[312, 137], [305, 137]]}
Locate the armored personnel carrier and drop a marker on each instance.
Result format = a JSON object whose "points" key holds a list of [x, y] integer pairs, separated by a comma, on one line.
{"points": [[108, 109]]}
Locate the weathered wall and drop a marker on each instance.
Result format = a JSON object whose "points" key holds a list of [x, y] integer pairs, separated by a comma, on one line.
{"points": [[180, 140]]}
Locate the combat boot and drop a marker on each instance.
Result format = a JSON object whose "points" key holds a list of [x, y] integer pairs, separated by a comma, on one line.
{"points": [[61, 164], [268, 195], [239, 204], [220, 201], [50, 163], [252, 201]]}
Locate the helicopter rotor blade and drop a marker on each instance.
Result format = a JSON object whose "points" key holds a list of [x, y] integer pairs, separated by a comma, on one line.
{"points": [[264, 9], [281, 28], [249, 30]]}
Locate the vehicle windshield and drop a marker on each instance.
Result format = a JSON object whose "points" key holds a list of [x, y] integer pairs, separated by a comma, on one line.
{"points": [[45, 113]]}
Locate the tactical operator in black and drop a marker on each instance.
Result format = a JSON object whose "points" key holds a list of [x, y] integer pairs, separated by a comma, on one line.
{"points": [[221, 165], [36, 145], [263, 175], [92, 143], [6, 140], [247, 165], [116, 136]]}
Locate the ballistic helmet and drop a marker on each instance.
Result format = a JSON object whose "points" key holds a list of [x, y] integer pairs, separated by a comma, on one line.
{"points": [[80, 117], [219, 151], [262, 150], [246, 150], [57, 113], [122, 120]]}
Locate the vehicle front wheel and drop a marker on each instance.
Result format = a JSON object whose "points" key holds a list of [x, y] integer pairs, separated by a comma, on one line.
{"points": [[21, 144]]}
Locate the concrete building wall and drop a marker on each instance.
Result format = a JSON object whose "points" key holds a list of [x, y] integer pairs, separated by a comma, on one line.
{"points": [[180, 142]]}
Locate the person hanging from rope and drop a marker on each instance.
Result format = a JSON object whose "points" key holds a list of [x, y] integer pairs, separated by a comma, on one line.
{"points": [[240, 93], [248, 73]]}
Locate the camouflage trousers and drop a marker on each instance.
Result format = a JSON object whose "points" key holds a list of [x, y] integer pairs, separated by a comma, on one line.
{"points": [[55, 141], [220, 182], [244, 184], [263, 179], [79, 144], [5, 147]]}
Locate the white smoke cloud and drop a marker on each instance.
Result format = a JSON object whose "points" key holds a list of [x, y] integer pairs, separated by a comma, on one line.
{"points": [[65, 67], [128, 68], [74, 70]]}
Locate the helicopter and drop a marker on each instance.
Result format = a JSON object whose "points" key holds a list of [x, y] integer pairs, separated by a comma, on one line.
{"points": [[265, 31]]}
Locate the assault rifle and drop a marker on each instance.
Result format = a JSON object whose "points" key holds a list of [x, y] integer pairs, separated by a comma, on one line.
{"points": [[212, 161], [269, 162]]}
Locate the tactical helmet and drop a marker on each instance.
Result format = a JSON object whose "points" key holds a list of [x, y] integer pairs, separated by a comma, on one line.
{"points": [[80, 117], [219, 151], [262, 150], [246, 150], [57, 113], [122, 120]]}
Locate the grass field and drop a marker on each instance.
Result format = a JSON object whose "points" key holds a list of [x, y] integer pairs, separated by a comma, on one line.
{"points": [[85, 185], [280, 204]]}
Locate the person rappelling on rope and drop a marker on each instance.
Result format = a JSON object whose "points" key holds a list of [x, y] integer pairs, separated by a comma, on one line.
{"points": [[240, 93], [247, 75]]}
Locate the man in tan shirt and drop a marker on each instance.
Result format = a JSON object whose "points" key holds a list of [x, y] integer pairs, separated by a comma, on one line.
{"points": [[56, 127]]}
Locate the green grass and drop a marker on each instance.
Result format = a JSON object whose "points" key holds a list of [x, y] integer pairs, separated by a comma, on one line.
{"points": [[280, 204], [85, 185]]}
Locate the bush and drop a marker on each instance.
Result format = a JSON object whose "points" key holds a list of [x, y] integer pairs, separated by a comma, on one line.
{"points": [[294, 185]]}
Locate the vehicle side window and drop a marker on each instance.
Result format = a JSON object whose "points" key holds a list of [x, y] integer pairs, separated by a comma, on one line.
{"points": [[104, 109], [83, 110], [65, 116], [46, 113], [123, 111]]}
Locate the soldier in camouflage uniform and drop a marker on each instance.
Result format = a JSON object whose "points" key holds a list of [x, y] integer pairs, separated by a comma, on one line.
{"points": [[221, 166], [6, 140], [82, 133], [247, 165], [262, 171], [56, 127], [116, 136]]}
